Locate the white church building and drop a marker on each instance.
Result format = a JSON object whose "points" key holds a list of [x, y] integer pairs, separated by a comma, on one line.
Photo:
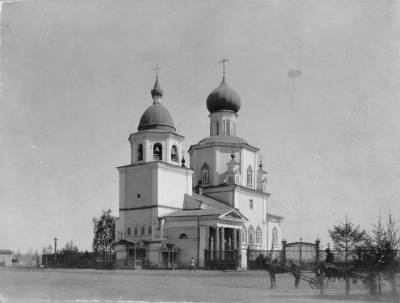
{"points": [[213, 211]]}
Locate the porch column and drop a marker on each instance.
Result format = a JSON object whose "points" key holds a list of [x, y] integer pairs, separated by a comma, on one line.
{"points": [[234, 239], [217, 242], [239, 238], [222, 243], [239, 246], [212, 244]]}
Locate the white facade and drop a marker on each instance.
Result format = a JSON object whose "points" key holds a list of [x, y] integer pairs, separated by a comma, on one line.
{"points": [[163, 222]]}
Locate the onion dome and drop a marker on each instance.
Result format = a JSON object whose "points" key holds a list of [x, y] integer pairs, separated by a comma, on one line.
{"points": [[223, 98], [156, 116]]}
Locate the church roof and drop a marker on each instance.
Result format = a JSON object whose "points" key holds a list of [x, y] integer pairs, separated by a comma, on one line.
{"points": [[200, 205], [223, 98], [156, 116], [230, 141], [223, 139]]}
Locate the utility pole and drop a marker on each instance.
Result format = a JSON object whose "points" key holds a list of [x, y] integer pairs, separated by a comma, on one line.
{"points": [[55, 248], [346, 256]]}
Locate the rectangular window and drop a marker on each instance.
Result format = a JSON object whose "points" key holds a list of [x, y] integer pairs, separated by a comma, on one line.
{"points": [[251, 204], [135, 231], [249, 178], [204, 176], [149, 230]]}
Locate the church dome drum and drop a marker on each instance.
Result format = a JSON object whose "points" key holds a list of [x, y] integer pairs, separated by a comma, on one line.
{"points": [[223, 98]]}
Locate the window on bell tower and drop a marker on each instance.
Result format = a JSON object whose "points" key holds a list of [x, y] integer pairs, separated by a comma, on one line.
{"points": [[249, 176], [205, 174], [157, 151], [217, 128], [140, 152], [174, 154]]}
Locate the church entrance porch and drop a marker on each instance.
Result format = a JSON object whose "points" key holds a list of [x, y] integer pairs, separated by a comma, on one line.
{"points": [[168, 254], [130, 254], [223, 250]]}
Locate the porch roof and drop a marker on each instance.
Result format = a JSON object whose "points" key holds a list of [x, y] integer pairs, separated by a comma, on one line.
{"points": [[124, 242], [196, 205]]}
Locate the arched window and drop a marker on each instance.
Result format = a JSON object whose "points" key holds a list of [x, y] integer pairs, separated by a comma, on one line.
{"points": [[251, 235], [233, 128], [157, 151], [183, 236], [135, 231], [217, 128], [142, 230], [228, 128], [128, 231], [205, 174], [223, 127], [258, 236], [140, 152], [274, 236], [249, 176], [174, 153]]}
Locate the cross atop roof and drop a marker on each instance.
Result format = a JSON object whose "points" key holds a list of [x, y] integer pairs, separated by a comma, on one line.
{"points": [[223, 61], [156, 69]]}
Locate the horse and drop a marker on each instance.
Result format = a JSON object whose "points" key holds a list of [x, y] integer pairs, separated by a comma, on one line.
{"points": [[273, 268]]}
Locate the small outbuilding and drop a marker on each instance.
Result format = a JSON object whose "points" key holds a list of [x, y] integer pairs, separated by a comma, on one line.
{"points": [[5, 257]]}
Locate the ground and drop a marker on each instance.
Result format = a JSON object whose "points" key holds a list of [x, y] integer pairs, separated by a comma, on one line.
{"points": [[89, 285]]}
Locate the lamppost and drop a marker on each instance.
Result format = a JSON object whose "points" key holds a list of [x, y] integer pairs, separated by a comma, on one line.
{"points": [[55, 248]]}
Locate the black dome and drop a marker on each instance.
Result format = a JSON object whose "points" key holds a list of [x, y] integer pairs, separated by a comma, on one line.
{"points": [[223, 98], [156, 117]]}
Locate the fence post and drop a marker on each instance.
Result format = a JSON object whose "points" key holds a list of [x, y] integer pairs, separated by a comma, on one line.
{"points": [[283, 257], [317, 251], [248, 256]]}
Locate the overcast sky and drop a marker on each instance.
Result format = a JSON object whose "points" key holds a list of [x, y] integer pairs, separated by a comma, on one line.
{"points": [[319, 84]]}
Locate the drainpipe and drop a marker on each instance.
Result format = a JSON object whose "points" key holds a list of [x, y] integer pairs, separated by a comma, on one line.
{"points": [[198, 241]]}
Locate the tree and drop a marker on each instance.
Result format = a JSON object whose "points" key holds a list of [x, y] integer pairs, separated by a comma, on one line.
{"points": [[104, 231], [347, 236], [391, 249], [383, 245]]}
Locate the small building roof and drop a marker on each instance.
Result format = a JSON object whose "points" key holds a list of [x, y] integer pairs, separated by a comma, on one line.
{"points": [[6, 251]]}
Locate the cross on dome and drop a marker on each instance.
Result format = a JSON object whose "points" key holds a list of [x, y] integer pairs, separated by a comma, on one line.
{"points": [[156, 91], [156, 69], [223, 61]]}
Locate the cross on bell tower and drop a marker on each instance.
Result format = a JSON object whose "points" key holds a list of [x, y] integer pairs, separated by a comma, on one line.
{"points": [[223, 61], [156, 69], [156, 92]]}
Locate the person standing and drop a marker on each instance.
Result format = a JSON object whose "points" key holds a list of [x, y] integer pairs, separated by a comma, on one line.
{"points": [[296, 274], [192, 264]]}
